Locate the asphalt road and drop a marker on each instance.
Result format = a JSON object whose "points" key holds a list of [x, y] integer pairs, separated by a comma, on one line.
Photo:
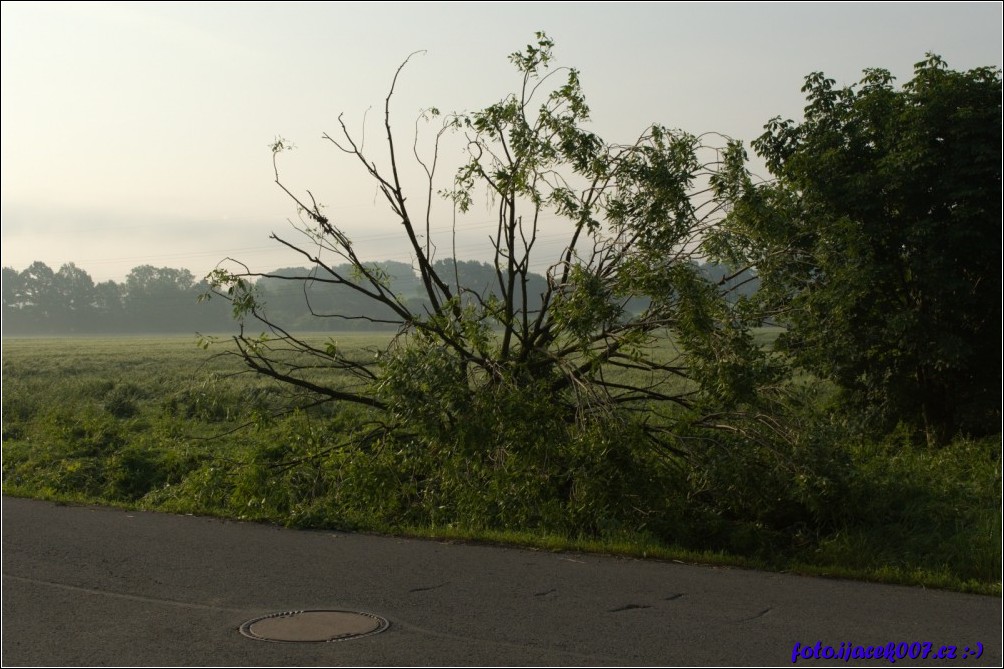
{"points": [[95, 586]]}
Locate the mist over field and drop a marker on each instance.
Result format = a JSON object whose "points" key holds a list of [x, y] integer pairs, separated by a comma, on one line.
{"points": [[41, 301]]}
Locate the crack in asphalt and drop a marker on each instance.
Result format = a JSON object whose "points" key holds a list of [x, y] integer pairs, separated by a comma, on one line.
{"points": [[628, 607], [522, 645], [759, 615], [122, 595], [430, 587]]}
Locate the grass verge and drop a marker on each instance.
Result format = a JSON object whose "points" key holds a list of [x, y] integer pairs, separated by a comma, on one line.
{"points": [[158, 424]]}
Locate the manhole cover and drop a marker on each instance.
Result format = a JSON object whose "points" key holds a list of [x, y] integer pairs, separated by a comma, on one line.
{"points": [[313, 626]]}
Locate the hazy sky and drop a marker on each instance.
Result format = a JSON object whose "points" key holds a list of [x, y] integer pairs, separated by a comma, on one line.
{"points": [[138, 133]]}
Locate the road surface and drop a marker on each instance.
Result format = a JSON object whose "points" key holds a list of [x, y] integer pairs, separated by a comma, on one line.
{"points": [[96, 586]]}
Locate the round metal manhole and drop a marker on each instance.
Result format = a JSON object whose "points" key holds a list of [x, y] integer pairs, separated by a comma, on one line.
{"points": [[313, 626]]}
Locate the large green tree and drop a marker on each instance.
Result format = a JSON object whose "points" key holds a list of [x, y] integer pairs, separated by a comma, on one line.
{"points": [[878, 243]]}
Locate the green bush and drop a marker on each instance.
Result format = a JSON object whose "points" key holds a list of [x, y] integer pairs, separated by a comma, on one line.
{"points": [[937, 509]]}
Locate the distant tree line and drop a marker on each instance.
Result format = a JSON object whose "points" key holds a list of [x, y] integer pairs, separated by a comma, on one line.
{"points": [[152, 299], [38, 300]]}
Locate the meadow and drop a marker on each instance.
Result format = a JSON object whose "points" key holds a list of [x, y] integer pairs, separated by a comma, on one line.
{"points": [[159, 423]]}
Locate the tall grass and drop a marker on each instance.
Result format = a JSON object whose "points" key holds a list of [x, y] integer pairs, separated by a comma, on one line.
{"points": [[158, 423]]}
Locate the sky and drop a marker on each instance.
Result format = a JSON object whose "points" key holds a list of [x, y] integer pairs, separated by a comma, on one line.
{"points": [[139, 133]]}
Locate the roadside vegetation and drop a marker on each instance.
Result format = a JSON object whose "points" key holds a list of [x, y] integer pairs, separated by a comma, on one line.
{"points": [[159, 424]]}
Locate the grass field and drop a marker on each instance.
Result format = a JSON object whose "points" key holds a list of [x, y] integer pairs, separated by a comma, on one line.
{"points": [[159, 423]]}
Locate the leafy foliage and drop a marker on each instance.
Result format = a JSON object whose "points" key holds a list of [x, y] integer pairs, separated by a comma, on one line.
{"points": [[572, 347], [878, 243]]}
